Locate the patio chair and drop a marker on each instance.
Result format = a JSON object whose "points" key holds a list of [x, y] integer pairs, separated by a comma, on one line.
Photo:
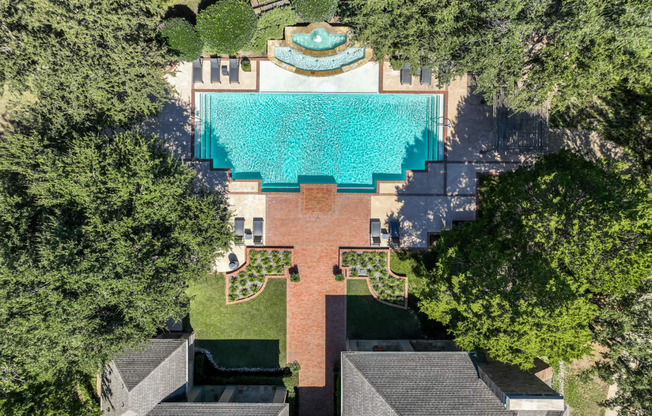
{"points": [[197, 73], [239, 230], [406, 78], [215, 70], [426, 75], [374, 232], [395, 231], [234, 71], [258, 231]]}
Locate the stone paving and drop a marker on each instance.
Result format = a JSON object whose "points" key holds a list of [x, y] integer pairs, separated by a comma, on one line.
{"points": [[316, 306]]}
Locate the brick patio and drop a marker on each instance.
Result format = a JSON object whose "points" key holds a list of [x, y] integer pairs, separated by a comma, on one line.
{"points": [[316, 322]]}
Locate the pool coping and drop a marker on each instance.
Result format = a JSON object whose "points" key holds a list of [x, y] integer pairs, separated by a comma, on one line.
{"points": [[257, 60]]}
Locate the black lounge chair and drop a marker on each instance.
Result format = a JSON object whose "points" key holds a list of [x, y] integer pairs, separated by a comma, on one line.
{"points": [[374, 231], [258, 231], [234, 71], [406, 78], [395, 231], [239, 230], [215, 70], [197, 73], [426, 75]]}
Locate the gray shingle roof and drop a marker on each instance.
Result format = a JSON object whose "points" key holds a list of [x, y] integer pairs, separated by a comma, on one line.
{"points": [[415, 384], [221, 409], [136, 365]]}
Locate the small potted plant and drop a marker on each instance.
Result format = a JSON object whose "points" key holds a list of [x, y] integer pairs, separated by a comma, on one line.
{"points": [[245, 63]]}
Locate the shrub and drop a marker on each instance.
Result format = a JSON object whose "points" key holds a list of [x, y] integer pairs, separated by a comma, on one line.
{"points": [[287, 258], [339, 277], [226, 26], [182, 39], [270, 26], [246, 65], [355, 273], [295, 278], [315, 10]]}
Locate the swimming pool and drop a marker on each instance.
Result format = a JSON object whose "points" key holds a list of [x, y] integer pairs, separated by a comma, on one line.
{"points": [[352, 140]]}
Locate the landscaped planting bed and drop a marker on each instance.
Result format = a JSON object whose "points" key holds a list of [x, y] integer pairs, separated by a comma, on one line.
{"points": [[262, 263], [373, 266]]}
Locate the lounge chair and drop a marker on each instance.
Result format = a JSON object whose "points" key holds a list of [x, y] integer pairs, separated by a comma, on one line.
{"points": [[426, 75], [234, 71], [239, 229], [258, 231], [406, 78], [215, 70], [197, 73], [395, 231], [374, 231]]}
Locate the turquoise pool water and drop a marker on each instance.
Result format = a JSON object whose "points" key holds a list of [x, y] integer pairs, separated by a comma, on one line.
{"points": [[319, 40], [352, 140], [322, 63]]}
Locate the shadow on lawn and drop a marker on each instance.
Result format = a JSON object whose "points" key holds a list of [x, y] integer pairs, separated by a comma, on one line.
{"points": [[243, 353]]}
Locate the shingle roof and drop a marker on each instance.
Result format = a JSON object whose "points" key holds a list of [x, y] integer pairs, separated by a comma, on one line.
{"points": [[221, 409], [422, 383], [136, 365]]}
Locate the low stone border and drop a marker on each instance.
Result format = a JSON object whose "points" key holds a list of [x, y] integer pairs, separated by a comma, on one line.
{"points": [[346, 272], [228, 275]]}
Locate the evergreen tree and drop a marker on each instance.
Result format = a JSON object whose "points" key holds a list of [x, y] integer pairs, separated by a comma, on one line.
{"points": [[98, 242], [85, 64], [523, 280]]}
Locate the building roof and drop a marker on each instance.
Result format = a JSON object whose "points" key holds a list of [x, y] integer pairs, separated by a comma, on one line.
{"points": [[135, 365], [221, 409], [417, 383]]}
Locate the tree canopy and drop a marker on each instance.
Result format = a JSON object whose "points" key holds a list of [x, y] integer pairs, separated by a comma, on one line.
{"points": [[226, 26], [315, 10], [98, 243], [580, 51], [86, 64], [182, 39], [523, 280]]}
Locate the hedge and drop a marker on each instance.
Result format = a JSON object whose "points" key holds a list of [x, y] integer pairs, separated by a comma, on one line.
{"points": [[315, 10], [270, 26]]}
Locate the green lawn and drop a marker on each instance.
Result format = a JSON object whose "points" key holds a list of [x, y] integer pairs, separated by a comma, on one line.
{"points": [[366, 318], [247, 334]]}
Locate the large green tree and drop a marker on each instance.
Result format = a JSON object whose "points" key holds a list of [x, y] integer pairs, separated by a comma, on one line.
{"points": [[522, 281], [85, 64], [624, 326], [578, 50], [97, 244]]}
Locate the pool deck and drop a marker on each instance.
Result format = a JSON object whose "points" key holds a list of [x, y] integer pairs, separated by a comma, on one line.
{"points": [[318, 221]]}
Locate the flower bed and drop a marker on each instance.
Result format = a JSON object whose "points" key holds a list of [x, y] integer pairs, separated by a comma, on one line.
{"points": [[261, 264], [374, 266]]}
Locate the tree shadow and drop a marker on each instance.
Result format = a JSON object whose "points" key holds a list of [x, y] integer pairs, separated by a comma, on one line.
{"points": [[181, 11]]}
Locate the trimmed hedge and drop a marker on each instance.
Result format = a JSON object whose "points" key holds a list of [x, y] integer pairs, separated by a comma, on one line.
{"points": [[315, 10], [226, 26], [182, 39]]}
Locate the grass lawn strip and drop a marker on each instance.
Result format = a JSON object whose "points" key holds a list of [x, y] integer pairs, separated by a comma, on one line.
{"points": [[366, 318], [248, 334]]}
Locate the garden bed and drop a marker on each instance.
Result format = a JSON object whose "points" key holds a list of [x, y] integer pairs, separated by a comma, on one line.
{"points": [[261, 264], [374, 266]]}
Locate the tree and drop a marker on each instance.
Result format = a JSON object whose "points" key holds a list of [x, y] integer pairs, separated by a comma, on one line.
{"points": [[315, 10], [182, 39], [226, 26], [574, 52], [86, 65], [270, 26], [99, 241], [523, 280], [624, 326]]}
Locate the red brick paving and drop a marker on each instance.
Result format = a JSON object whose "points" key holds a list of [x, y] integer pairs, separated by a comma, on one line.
{"points": [[316, 306]]}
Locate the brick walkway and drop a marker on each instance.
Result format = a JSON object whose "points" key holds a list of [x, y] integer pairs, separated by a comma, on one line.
{"points": [[316, 306]]}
